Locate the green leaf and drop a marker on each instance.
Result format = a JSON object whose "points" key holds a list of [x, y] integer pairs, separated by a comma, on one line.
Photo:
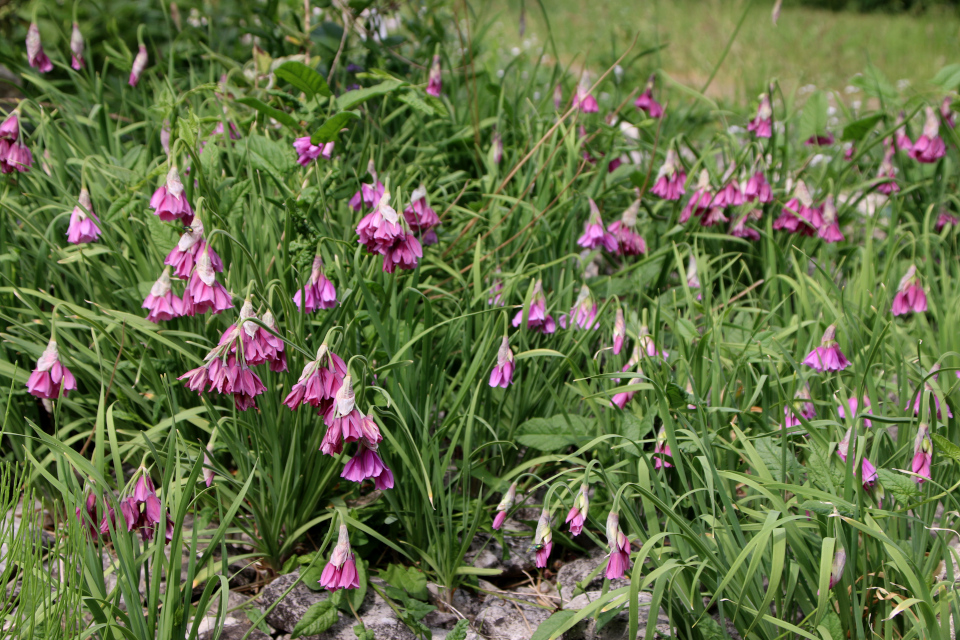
{"points": [[636, 429], [771, 454], [676, 396], [948, 77], [857, 129], [282, 117], [832, 623], [363, 633], [710, 629], [410, 579], [875, 84], [553, 623], [304, 78], [824, 475], [903, 488], [552, 434], [269, 155], [411, 98], [317, 619], [351, 99], [813, 120], [827, 508], [330, 129], [946, 447], [459, 631]]}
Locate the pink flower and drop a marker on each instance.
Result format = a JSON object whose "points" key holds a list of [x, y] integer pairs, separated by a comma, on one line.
{"points": [[35, 55], [273, 347], [435, 79], [646, 102], [829, 230], [381, 228], [307, 152], [714, 216], [246, 335], [139, 64], [583, 314], [901, 139], [223, 373], [543, 538], [661, 447], [836, 568], [579, 511], [557, 96], [762, 124], [203, 292], [50, 376], [345, 423], [936, 401], [801, 406], [584, 100], [740, 229], [15, 156], [183, 257], [161, 301], [497, 144], [827, 357], [728, 196], [868, 473], [619, 332], [10, 127], [619, 546], [945, 219], [929, 147], [853, 405], [799, 214], [366, 463], [629, 242], [405, 252], [537, 317], [369, 195], [502, 373], [757, 188], [169, 202], [887, 171], [318, 292], [496, 296], [83, 222], [142, 511], [910, 296], [420, 215], [646, 344], [505, 503], [820, 140], [946, 113], [621, 399], [319, 381], [700, 201], [594, 235], [76, 48], [670, 178], [922, 454], [341, 571], [90, 522]]}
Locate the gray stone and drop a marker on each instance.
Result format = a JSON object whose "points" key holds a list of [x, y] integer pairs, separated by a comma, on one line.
{"points": [[486, 552], [506, 620], [579, 570], [289, 611]]}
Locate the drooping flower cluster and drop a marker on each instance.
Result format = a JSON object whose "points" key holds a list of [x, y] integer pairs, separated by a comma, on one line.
{"points": [[14, 154], [800, 215], [594, 235], [670, 178], [929, 147], [421, 217], [543, 538], [910, 296], [83, 221], [537, 317], [827, 357], [801, 406], [619, 545], [577, 515], [318, 293], [307, 152], [629, 242], [762, 125], [506, 502], [35, 55], [142, 511], [88, 516], [385, 232], [51, 377], [645, 101], [502, 373], [583, 313], [341, 571]]}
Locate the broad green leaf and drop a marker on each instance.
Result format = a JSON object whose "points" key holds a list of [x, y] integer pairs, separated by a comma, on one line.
{"points": [[903, 488], [948, 77], [304, 78], [330, 130], [351, 99], [946, 447], [813, 120], [282, 117], [410, 579], [859, 128], [459, 631], [772, 453], [317, 619], [411, 98], [269, 155], [552, 434]]}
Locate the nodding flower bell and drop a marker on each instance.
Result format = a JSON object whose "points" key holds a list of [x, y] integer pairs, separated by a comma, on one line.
{"points": [[497, 144], [619, 544], [701, 199], [583, 313], [50, 377], [579, 511], [693, 279], [246, 336], [344, 421], [887, 172], [381, 228], [208, 472], [435, 79], [619, 332], [318, 293], [405, 252], [646, 102], [901, 140], [836, 568], [945, 219], [801, 405], [35, 55], [83, 221], [661, 448], [729, 195], [319, 382], [142, 511], [936, 401], [629, 242], [910, 296], [89, 509], [594, 235], [757, 188], [369, 195], [273, 347], [946, 113], [537, 318], [341, 571], [76, 48], [853, 405], [922, 454], [203, 292], [10, 127], [827, 357], [421, 217], [800, 214], [829, 230], [14, 155], [739, 228], [226, 374], [366, 463], [621, 399], [169, 202], [583, 99], [543, 538], [139, 64], [505, 503], [929, 147], [762, 124], [645, 341], [670, 178], [502, 373], [183, 256], [161, 301], [307, 152]]}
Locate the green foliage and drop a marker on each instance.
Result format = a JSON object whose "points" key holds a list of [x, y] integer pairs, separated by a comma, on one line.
{"points": [[318, 618]]}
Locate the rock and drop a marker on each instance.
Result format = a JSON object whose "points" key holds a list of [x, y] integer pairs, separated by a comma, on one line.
{"points": [[289, 611], [440, 619], [578, 571], [466, 601], [486, 552], [617, 628], [509, 620], [235, 632]]}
